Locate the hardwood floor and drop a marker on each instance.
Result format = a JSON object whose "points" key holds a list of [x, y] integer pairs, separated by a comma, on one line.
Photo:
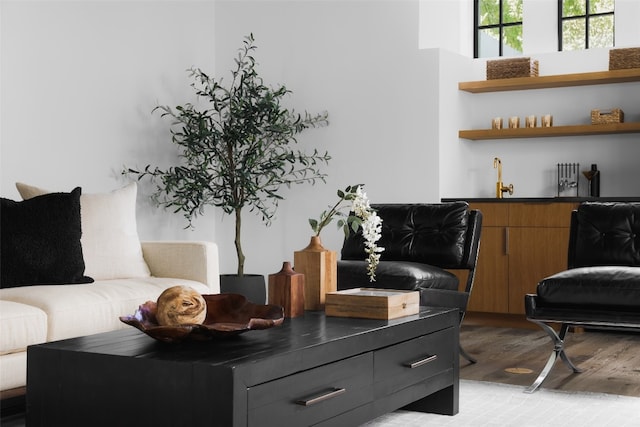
{"points": [[610, 360]]}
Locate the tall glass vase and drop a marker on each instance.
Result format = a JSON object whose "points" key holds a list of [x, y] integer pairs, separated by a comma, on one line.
{"points": [[319, 266]]}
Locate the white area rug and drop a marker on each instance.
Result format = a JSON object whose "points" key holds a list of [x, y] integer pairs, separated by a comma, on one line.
{"points": [[484, 404]]}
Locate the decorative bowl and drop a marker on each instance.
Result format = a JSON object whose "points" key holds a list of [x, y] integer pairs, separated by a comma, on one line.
{"points": [[227, 315]]}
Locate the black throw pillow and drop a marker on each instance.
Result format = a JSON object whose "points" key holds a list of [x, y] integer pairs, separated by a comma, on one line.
{"points": [[41, 241]]}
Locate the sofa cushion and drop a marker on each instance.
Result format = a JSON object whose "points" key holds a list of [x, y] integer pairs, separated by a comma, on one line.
{"points": [[604, 286], [20, 326], [41, 241], [110, 240], [78, 310], [13, 370], [395, 275]]}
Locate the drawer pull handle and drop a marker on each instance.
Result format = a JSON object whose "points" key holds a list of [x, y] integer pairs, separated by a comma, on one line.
{"points": [[421, 362], [321, 397]]}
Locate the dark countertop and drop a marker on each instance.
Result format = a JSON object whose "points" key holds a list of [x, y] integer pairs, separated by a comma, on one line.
{"points": [[542, 199]]}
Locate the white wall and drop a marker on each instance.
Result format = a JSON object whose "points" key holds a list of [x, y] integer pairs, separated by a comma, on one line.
{"points": [[540, 28], [78, 83], [360, 61], [79, 80], [530, 164], [540, 32], [626, 23], [447, 24]]}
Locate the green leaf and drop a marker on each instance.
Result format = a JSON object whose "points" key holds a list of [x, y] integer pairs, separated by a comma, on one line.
{"points": [[235, 147]]}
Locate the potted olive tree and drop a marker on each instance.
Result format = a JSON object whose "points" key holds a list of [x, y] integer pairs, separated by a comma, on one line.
{"points": [[236, 152]]}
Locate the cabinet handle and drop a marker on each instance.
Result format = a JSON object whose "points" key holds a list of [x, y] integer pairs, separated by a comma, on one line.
{"points": [[506, 240], [421, 362], [321, 397]]}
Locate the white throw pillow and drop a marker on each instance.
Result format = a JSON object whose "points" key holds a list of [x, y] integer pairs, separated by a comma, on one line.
{"points": [[110, 243]]}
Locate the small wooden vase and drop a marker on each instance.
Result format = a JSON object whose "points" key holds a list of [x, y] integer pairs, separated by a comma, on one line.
{"points": [[319, 266], [286, 288]]}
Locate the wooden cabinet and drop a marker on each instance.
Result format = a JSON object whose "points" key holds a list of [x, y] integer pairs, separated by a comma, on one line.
{"points": [[522, 242], [490, 290]]}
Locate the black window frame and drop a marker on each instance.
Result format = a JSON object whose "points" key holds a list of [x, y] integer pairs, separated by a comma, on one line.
{"points": [[500, 25], [587, 17]]}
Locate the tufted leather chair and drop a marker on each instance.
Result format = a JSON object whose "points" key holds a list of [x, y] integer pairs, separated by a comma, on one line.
{"points": [[421, 243], [601, 287]]}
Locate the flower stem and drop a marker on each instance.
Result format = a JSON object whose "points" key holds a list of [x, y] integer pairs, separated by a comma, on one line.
{"points": [[327, 218]]}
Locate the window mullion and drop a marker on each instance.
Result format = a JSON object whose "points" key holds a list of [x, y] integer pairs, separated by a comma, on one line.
{"points": [[500, 29], [587, 19]]}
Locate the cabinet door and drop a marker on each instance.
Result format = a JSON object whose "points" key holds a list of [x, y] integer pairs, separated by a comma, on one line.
{"points": [[540, 214], [534, 253], [490, 289]]}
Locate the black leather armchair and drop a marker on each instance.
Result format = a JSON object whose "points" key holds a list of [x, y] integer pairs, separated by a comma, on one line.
{"points": [[422, 242], [601, 287]]}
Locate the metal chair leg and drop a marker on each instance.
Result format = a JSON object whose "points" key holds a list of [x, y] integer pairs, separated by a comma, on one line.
{"points": [[463, 353], [558, 351], [466, 355]]}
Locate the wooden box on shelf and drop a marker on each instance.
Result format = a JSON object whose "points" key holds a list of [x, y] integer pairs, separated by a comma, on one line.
{"points": [[512, 67], [598, 117], [620, 59], [372, 303]]}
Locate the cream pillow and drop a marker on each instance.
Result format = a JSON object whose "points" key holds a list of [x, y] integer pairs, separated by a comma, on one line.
{"points": [[110, 244]]}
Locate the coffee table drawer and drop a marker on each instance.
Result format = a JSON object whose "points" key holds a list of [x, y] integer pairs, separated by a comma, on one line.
{"points": [[413, 361], [312, 396]]}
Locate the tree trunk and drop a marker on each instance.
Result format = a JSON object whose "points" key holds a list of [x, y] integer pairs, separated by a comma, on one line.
{"points": [[238, 244]]}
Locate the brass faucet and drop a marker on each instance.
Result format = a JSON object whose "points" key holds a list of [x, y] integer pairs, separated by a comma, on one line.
{"points": [[500, 188]]}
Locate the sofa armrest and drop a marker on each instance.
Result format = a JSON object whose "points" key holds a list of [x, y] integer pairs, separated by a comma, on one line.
{"points": [[184, 260]]}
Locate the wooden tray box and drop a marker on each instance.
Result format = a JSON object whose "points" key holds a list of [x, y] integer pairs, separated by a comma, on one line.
{"points": [[372, 303]]}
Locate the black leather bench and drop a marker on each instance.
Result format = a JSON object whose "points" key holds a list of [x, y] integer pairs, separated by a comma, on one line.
{"points": [[421, 243], [601, 288]]}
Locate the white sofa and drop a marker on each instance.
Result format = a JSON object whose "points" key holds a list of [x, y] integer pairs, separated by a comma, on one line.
{"points": [[126, 273], [36, 314]]}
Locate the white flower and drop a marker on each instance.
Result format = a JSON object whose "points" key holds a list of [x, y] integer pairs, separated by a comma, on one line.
{"points": [[363, 216], [361, 204], [371, 231]]}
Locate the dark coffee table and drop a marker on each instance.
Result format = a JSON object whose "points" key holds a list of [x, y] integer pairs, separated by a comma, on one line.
{"points": [[312, 370]]}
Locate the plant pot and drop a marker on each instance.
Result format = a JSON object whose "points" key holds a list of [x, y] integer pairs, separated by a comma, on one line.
{"points": [[252, 286]]}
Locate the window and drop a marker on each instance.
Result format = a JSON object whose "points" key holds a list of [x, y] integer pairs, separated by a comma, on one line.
{"points": [[584, 24], [498, 28]]}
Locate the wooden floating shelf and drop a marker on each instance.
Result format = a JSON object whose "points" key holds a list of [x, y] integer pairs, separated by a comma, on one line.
{"points": [[560, 80], [539, 132]]}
